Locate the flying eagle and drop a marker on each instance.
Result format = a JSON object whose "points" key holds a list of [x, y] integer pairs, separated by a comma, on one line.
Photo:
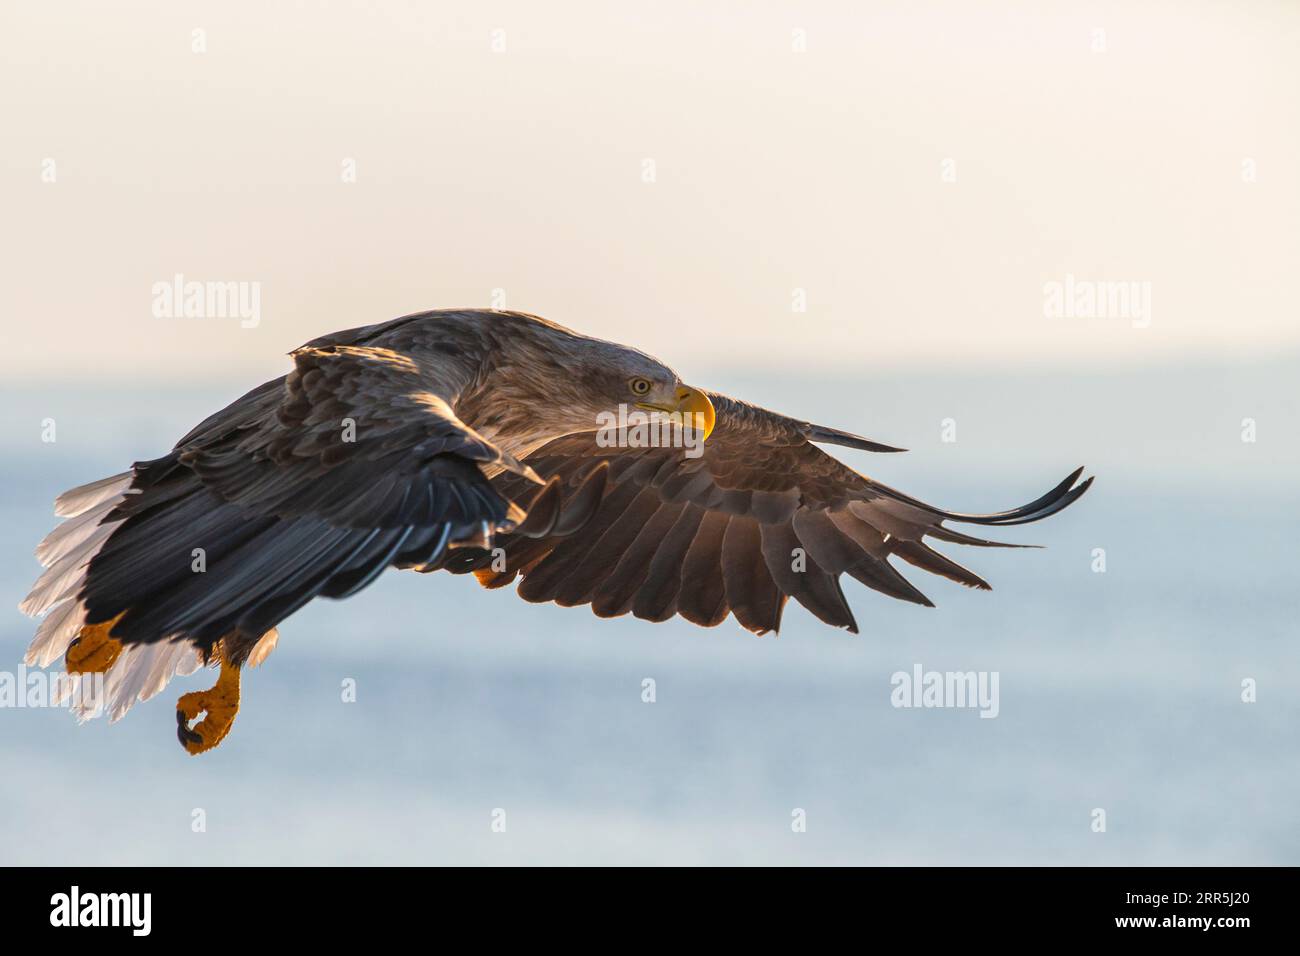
{"points": [[467, 441]]}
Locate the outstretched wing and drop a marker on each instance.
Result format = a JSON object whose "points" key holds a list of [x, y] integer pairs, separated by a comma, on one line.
{"points": [[309, 485], [761, 516], [358, 466]]}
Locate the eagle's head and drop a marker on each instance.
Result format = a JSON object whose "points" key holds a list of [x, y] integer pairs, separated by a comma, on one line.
{"points": [[576, 383]]}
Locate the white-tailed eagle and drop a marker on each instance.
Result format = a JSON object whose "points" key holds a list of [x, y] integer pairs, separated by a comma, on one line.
{"points": [[468, 441]]}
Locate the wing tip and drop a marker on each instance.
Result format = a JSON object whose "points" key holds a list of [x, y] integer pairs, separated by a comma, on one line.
{"points": [[1058, 499], [835, 436]]}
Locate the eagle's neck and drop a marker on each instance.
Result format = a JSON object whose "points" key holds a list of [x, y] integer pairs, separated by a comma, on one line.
{"points": [[525, 394]]}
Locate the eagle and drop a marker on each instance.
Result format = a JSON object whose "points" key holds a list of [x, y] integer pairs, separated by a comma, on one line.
{"points": [[481, 442]]}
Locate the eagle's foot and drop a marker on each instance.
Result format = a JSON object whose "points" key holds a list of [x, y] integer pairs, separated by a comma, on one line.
{"points": [[220, 703], [93, 652]]}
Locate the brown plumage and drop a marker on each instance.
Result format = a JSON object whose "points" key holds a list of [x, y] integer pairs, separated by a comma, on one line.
{"points": [[467, 441]]}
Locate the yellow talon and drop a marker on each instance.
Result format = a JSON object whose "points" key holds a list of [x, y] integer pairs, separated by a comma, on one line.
{"points": [[93, 652], [220, 703]]}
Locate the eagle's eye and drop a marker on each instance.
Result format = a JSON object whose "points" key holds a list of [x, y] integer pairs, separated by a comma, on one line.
{"points": [[639, 386]]}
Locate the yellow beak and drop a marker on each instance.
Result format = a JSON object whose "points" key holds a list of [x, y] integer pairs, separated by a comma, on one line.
{"points": [[694, 407]]}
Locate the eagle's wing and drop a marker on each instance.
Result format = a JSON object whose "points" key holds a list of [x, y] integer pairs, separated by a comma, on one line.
{"points": [[310, 485], [761, 516]]}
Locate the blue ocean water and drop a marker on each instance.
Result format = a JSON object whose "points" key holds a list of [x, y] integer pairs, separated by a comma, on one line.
{"points": [[1119, 691]]}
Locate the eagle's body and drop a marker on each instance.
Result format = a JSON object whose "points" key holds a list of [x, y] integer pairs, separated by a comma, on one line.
{"points": [[465, 441]]}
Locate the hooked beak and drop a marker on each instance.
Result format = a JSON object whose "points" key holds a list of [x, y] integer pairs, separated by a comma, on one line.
{"points": [[694, 407]]}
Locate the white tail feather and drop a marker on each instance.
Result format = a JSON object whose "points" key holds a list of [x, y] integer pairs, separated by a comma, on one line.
{"points": [[56, 633], [65, 576], [67, 535], [140, 672], [66, 552], [79, 499], [263, 648]]}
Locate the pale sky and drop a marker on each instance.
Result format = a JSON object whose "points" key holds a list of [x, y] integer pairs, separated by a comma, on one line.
{"points": [[920, 171]]}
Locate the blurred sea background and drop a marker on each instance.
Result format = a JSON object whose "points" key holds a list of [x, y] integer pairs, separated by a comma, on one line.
{"points": [[853, 213], [1118, 690]]}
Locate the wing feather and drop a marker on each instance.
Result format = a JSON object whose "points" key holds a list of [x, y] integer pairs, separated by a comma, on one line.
{"points": [[310, 485], [702, 598], [657, 598], [761, 516], [617, 592], [754, 598]]}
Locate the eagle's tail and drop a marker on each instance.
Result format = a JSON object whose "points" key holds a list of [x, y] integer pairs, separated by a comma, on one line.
{"points": [[130, 601], [130, 673]]}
